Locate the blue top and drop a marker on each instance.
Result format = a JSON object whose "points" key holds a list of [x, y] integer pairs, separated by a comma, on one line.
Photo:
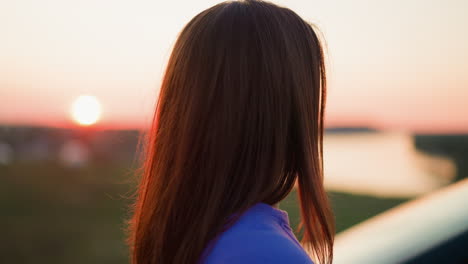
{"points": [[261, 235]]}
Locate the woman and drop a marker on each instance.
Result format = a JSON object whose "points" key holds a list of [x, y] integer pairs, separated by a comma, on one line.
{"points": [[239, 121]]}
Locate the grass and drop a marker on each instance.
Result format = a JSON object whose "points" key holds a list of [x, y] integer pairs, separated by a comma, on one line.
{"points": [[53, 214]]}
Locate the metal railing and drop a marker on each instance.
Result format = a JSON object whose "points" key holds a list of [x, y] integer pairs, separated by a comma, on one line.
{"points": [[407, 231]]}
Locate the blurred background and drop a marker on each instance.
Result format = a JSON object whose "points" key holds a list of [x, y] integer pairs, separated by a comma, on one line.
{"points": [[79, 81]]}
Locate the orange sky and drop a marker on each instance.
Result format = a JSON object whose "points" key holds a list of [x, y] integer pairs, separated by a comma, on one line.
{"points": [[392, 64]]}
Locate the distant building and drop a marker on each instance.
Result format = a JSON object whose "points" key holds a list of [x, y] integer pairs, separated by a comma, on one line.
{"points": [[74, 153], [6, 153]]}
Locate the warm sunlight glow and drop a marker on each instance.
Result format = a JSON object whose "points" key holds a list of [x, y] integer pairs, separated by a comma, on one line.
{"points": [[86, 110]]}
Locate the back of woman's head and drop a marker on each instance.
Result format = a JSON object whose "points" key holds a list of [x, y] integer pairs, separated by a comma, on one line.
{"points": [[239, 119]]}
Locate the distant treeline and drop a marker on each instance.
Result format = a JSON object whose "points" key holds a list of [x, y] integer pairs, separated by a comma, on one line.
{"points": [[452, 146], [358, 129], [44, 143]]}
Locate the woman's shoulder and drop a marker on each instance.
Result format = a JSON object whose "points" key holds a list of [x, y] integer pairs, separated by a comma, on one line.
{"points": [[256, 247], [257, 238]]}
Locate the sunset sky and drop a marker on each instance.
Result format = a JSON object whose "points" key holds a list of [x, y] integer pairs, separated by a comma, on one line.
{"points": [[399, 64]]}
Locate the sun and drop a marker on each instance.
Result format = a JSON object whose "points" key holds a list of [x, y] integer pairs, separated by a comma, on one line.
{"points": [[86, 110]]}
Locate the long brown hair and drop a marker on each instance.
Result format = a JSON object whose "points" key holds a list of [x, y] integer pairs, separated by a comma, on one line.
{"points": [[238, 121]]}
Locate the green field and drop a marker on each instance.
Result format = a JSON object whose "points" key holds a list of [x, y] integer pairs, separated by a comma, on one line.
{"points": [[52, 214]]}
